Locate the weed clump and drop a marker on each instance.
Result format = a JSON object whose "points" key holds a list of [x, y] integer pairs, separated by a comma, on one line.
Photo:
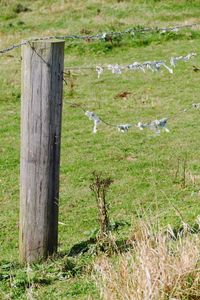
{"points": [[99, 187], [18, 8], [155, 268]]}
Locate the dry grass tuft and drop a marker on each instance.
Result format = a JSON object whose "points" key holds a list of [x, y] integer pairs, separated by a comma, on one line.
{"points": [[157, 268]]}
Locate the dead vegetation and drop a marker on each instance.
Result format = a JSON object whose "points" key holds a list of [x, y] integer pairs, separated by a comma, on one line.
{"points": [[158, 267]]}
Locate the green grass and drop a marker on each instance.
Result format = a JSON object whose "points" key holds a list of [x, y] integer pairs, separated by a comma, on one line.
{"points": [[142, 165]]}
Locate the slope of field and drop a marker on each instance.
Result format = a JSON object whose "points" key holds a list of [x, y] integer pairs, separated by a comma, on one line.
{"points": [[154, 175]]}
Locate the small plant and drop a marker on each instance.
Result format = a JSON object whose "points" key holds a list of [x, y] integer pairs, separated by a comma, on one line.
{"points": [[181, 177], [99, 187], [70, 82], [18, 8]]}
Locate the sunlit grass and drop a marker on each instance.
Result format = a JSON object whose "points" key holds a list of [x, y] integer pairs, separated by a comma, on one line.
{"points": [[142, 165]]}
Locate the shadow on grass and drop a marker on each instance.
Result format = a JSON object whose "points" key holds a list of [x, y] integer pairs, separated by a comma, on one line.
{"points": [[92, 246], [177, 232]]}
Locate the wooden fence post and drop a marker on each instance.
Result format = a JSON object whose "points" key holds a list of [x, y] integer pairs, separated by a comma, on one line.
{"points": [[41, 109]]}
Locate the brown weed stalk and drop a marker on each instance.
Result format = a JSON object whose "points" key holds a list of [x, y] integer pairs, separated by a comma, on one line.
{"points": [[99, 187]]}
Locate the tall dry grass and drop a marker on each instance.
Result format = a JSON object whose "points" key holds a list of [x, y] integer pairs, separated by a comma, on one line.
{"points": [[158, 267]]}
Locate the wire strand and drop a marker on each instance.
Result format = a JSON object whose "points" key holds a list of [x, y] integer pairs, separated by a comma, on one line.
{"points": [[101, 36]]}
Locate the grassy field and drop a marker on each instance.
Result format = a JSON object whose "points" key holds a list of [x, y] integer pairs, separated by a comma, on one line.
{"points": [[144, 166]]}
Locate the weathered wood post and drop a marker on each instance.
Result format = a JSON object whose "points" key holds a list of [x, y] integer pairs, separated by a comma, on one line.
{"points": [[41, 109]]}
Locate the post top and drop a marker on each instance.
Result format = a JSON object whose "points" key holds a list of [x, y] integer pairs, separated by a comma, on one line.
{"points": [[41, 41]]}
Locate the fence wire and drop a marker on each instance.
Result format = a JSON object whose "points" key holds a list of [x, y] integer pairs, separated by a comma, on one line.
{"points": [[102, 36]]}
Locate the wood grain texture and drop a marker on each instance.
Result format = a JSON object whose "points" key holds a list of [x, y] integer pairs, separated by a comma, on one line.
{"points": [[41, 111]]}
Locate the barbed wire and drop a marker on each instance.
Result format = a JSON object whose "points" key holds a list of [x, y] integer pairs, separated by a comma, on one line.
{"points": [[155, 125], [101, 36], [154, 66], [92, 116], [117, 69]]}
